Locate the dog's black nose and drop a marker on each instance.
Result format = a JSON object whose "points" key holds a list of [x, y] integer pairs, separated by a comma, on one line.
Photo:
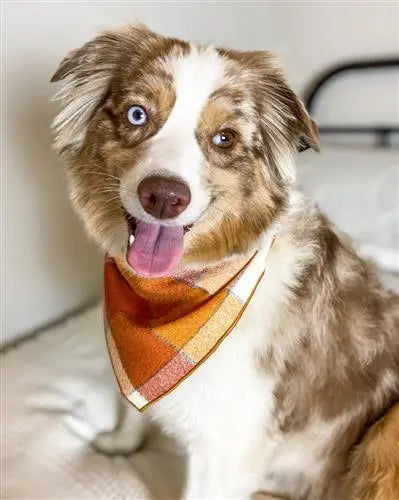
{"points": [[162, 197]]}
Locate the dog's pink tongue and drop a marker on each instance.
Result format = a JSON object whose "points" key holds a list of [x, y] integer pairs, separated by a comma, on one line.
{"points": [[156, 249]]}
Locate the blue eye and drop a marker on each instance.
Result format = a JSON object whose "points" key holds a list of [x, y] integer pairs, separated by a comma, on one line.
{"points": [[224, 139], [137, 115]]}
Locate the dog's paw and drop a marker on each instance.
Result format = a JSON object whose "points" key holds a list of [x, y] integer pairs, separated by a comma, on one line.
{"points": [[117, 442]]}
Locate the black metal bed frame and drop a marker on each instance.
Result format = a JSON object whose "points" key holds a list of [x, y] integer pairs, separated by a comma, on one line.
{"points": [[312, 93]]}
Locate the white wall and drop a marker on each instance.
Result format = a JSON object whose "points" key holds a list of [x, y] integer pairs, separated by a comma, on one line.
{"points": [[315, 35], [48, 267]]}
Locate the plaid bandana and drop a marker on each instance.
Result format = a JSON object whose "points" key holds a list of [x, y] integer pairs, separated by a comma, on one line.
{"points": [[159, 330]]}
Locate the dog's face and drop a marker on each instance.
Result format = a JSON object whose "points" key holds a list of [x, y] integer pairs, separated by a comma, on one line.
{"points": [[176, 150]]}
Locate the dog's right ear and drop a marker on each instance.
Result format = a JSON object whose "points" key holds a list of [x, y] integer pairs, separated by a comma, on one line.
{"points": [[67, 65], [86, 75]]}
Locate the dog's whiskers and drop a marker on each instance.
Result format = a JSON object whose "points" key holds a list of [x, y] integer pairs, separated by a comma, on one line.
{"points": [[105, 174]]}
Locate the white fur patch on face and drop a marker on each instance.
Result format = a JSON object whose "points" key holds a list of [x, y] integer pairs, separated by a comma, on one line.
{"points": [[174, 151]]}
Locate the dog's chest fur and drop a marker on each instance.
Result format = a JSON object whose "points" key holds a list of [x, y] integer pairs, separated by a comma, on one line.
{"points": [[227, 408], [291, 389]]}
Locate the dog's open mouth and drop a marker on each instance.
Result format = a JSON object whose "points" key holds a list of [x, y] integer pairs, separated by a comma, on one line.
{"points": [[153, 249]]}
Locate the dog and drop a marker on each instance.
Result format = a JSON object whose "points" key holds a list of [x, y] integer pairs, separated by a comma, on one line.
{"points": [[301, 399]]}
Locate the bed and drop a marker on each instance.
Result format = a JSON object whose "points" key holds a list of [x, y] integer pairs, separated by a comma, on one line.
{"points": [[59, 393], [58, 389]]}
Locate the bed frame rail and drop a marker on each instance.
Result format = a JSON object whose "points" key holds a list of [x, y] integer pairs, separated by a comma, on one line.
{"points": [[312, 94]]}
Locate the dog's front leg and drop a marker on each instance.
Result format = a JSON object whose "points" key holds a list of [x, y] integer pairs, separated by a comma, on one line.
{"points": [[128, 434], [211, 476]]}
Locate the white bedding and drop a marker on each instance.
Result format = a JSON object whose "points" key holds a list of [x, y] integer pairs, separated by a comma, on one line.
{"points": [[359, 190], [59, 391]]}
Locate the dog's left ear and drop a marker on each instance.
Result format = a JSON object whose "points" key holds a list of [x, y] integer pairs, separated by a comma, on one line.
{"points": [[310, 138], [285, 125], [302, 131]]}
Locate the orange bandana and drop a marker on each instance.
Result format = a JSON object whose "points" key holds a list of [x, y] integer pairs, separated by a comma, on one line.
{"points": [[159, 330]]}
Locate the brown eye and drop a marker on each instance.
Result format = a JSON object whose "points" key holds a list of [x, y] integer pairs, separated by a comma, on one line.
{"points": [[224, 139]]}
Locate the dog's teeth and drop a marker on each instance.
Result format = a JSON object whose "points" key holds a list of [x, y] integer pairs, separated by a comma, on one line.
{"points": [[131, 239]]}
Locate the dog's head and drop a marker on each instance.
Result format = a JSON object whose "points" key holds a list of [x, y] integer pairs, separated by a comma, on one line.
{"points": [[187, 150]]}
